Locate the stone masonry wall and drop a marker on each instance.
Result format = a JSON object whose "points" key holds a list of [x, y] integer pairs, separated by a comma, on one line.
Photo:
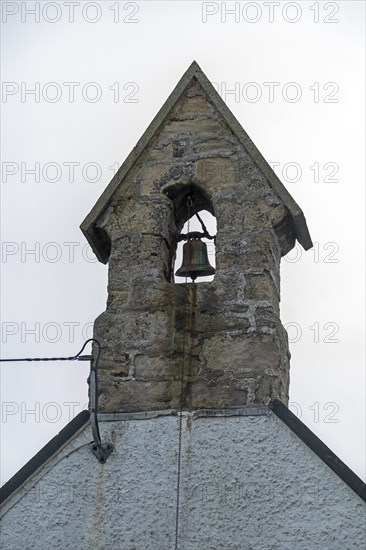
{"points": [[227, 332]]}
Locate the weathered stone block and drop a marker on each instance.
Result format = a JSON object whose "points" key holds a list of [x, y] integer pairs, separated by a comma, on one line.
{"points": [[130, 249], [218, 146], [196, 105], [260, 286], [216, 171], [159, 153], [136, 395], [194, 126], [147, 368], [149, 176], [117, 298]]}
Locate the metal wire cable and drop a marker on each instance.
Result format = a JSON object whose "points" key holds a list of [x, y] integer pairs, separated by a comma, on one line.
{"points": [[101, 451], [94, 395], [179, 449], [180, 428], [77, 357]]}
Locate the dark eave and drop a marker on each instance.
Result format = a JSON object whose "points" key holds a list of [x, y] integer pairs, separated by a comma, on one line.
{"points": [[89, 225], [44, 454], [319, 448]]}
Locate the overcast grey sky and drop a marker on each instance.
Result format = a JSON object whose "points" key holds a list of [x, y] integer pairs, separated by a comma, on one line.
{"points": [[291, 72]]}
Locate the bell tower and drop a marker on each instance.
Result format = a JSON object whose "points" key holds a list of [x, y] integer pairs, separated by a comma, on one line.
{"points": [[196, 345]]}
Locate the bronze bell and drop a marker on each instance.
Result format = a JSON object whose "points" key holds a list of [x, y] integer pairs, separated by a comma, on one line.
{"points": [[195, 260]]}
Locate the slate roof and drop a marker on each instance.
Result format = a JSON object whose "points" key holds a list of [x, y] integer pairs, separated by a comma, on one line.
{"points": [[96, 237]]}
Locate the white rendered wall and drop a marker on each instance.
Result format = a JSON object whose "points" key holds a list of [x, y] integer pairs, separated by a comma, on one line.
{"points": [[247, 483]]}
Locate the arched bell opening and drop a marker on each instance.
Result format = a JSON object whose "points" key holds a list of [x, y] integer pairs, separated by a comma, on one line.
{"points": [[191, 253], [195, 239]]}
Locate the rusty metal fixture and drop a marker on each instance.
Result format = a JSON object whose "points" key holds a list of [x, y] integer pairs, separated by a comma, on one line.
{"points": [[195, 260]]}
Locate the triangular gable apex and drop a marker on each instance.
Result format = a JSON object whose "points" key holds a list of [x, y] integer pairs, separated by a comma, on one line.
{"points": [[88, 226], [81, 421]]}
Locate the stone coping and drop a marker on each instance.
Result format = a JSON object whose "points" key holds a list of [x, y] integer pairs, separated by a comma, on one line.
{"points": [[199, 413]]}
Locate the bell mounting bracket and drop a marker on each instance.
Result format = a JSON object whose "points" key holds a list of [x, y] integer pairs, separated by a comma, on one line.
{"points": [[195, 235]]}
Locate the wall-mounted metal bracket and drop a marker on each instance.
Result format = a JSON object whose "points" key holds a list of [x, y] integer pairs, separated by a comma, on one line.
{"points": [[101, 451]]}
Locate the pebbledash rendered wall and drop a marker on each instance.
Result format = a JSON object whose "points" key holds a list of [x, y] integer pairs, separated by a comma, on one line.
{"points": [[247, 483]]}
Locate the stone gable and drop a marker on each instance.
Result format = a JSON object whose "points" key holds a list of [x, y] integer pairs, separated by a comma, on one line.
{"points": [[226, 335]]}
